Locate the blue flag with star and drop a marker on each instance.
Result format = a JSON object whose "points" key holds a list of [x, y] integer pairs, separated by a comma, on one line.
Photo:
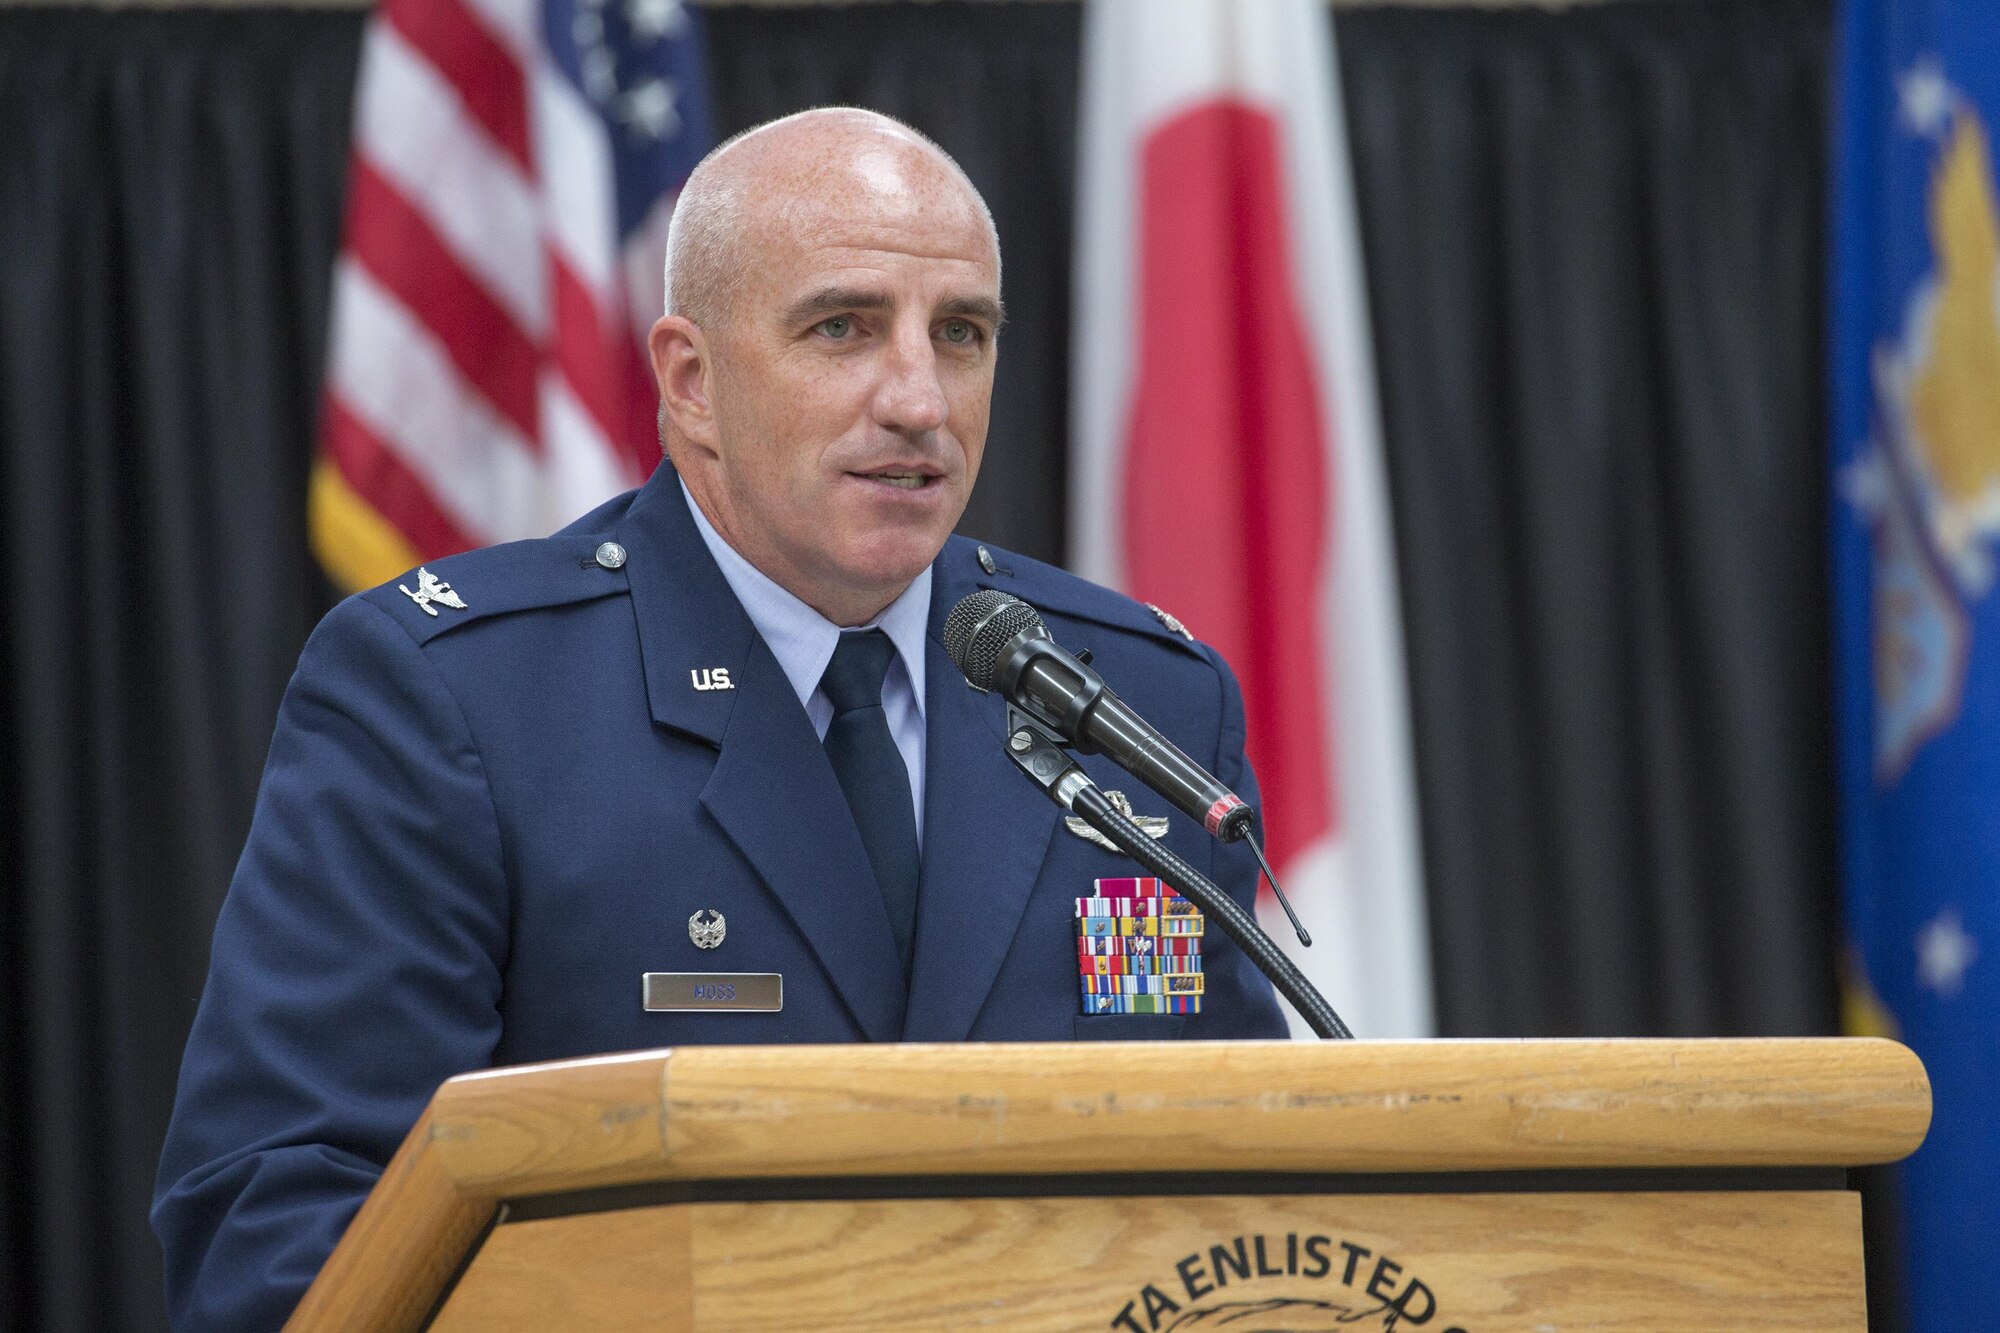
{"points": [[1916, 547]]}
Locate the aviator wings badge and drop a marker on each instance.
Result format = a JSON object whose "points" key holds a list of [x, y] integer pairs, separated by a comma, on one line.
{"points": [[431, 589], [1153, 826]]}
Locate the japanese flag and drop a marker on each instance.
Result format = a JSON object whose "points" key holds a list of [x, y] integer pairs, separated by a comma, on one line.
{"points": [[1227, 460]]}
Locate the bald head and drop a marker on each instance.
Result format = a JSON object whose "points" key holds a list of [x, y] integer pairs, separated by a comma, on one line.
{"points": [[765, 186], [826, 362]]}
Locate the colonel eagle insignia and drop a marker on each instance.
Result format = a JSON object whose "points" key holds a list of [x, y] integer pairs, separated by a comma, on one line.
{"points": [[431, 589]]}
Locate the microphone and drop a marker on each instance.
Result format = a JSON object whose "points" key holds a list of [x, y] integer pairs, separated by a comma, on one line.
{"points": [[1000, 643], [1041, 756]]}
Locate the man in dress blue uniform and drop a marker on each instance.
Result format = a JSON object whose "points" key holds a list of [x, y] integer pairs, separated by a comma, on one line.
{"points": [[710, 727]]}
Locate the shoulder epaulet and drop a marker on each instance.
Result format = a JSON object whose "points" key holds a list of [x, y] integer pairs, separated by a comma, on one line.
{"points": [[442, 595], [1059, 591]]}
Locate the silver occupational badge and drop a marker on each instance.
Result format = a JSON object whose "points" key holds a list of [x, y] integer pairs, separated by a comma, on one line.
{"points": [[430, 589], [1153, 826], [1171, 621], [706, 928]]}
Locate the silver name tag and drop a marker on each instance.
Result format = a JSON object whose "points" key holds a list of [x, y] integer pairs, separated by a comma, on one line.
{"points": [[739, 992]]}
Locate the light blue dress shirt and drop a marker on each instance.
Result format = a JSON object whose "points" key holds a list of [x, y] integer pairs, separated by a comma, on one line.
{"points": [[803, 641]]}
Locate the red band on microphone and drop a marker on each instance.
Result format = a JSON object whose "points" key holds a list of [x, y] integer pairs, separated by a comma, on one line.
{"points": [[1218, 812]]}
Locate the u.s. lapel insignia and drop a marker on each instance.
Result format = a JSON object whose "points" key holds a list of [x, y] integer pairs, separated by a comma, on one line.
{"points": [[1153, 826], [711, 678], [431, 589], [1171, 621], [707, 928]]}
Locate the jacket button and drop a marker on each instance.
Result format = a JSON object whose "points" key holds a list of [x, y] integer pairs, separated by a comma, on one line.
{"points": [[611, 555]]}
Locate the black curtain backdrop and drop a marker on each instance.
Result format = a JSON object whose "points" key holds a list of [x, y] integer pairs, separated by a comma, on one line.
{"points": [[169, 204], [1594, 247], [1595, 267]]}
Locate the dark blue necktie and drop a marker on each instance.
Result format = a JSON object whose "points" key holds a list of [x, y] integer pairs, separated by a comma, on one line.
{"points": [[872, 775]]}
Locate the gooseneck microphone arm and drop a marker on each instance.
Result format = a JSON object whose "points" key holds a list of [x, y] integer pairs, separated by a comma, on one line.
{"points": [[1049, 766]]}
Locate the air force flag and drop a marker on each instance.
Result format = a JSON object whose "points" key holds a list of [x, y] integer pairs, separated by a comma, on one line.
{"points": [[1916, 537]]}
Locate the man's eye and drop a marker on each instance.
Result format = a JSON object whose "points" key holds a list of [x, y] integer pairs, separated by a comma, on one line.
{"points": [[837, 327], [959, 331]]}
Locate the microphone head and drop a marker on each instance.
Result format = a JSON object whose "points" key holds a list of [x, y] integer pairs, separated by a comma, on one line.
{"points": [[980, 626]]}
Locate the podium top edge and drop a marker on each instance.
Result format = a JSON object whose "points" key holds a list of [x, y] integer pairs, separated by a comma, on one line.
{"points": [[1025, 1108]]}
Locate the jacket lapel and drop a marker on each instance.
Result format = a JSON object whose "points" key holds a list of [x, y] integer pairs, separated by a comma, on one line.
{"points": [[772, 790], [986, 834], [775, 795]]}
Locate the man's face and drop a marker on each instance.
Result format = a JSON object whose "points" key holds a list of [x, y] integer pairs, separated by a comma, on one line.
{"points": [[852, 381]]}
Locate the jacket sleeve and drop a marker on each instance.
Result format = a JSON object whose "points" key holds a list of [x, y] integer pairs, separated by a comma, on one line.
{"points": [[356, 964], [1239, 1001]]}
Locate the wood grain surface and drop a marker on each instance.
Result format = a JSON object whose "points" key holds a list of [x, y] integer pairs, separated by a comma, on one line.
{"points": [[401, 1248], [809, 1111], [1254, 1106], [623, 1270], [1523, 1263]]}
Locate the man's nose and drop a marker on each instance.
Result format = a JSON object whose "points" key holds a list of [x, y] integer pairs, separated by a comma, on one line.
{"points": [[911, 397]]}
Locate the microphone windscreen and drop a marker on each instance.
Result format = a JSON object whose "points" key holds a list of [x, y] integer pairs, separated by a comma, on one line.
{"points": [[981, 625]]}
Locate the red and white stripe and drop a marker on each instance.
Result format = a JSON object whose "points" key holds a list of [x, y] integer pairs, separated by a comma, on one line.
{"points": [[1227, 458], [484, 382]]}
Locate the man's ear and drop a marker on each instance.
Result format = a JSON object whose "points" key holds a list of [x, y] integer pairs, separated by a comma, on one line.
{"points": [[683, 367]]}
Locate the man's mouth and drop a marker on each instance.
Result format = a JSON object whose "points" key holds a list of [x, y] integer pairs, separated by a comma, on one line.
{"points": [[908, 481]]}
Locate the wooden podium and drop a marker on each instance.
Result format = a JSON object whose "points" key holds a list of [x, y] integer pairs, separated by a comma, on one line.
{"points": [[1234, 1187]]}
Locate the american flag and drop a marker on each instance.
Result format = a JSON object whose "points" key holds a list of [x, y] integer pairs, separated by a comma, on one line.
{"points": [[515, 163]]}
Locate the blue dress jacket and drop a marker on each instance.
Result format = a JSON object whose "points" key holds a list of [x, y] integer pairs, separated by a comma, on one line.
{"points": [[478, 829]]}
